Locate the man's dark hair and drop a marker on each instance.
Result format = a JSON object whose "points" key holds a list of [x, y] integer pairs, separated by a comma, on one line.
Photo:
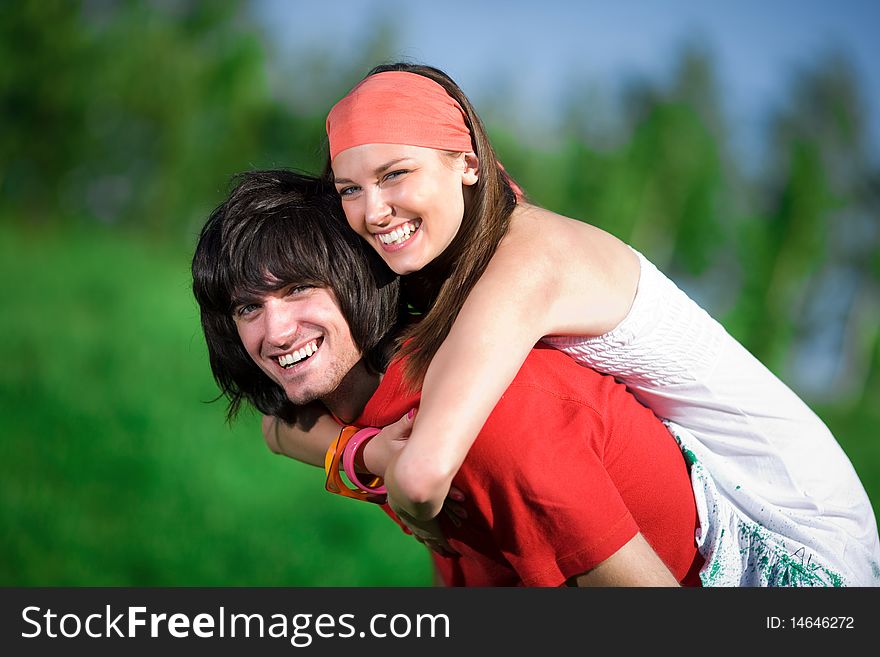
{"points": [[277, 228]]}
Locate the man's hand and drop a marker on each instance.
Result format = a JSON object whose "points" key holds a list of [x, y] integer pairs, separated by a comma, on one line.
{"points": [[270, 433], [426, 532]]}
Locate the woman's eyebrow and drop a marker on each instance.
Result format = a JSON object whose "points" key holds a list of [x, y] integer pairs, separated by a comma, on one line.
{"points": [[388, 165], [376, 172]]}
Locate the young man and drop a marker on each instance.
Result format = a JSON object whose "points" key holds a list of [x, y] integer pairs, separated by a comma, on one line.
{"points": [[571, 479]]}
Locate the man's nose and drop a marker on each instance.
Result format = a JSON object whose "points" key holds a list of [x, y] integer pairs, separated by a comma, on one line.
{"points": [[378, 210], [281, 323]]}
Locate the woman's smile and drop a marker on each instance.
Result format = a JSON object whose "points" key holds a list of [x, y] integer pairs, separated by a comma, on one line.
{"points": [[399, 236]]}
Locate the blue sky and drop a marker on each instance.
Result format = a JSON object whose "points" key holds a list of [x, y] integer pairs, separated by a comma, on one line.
{"points": [[526, 50]]}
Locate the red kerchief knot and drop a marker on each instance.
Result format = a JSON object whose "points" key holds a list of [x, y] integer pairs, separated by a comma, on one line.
{"points": [[396, 107]]}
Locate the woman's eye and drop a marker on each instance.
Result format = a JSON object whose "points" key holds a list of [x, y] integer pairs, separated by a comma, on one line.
{"points": [[348, 191], [395, 174]]}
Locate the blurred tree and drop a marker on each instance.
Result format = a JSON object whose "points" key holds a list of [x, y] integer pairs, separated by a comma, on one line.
{"points": [[790, 248], [48, 58], [661, 185], [811, 288], [128, 130], [677, 154]]}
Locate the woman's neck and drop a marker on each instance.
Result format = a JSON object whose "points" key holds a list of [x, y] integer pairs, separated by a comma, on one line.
{"points": [[419, 290]]}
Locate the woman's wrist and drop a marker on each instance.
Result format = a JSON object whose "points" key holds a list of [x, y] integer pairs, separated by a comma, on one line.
{"points": [[354, 450], [372, 458]]}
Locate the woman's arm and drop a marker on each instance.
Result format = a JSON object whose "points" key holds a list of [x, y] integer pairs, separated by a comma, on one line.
{"points": [[549, 276]]}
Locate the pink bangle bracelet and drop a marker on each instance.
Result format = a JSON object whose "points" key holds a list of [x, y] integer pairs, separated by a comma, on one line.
{"points": [[348, 454]]}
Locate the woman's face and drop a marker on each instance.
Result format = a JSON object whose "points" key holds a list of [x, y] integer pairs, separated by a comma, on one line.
{"points": [[406, 201]]}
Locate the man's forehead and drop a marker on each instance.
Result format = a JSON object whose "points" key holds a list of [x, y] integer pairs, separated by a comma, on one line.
{"points": [[250, 285]]}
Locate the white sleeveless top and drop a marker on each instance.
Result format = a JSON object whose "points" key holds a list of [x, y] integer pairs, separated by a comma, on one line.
{"points": [[773, 463]]}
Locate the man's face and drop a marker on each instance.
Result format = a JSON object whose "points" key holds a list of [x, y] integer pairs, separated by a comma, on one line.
{"points": [[298, 336]]}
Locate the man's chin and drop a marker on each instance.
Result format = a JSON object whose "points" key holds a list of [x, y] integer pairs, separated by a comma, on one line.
{"points": [[309, 392], [301, 398]]}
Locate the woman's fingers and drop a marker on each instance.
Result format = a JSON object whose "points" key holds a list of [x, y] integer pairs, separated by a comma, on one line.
{"points": [[401, 429], [379, 451]]}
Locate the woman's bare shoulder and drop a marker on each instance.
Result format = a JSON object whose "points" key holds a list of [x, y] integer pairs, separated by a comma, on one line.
{"points": [[537, 232], [591, 274]]}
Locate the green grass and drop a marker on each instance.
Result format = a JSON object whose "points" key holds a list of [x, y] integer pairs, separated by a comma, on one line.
{"points": [[113, 469]]}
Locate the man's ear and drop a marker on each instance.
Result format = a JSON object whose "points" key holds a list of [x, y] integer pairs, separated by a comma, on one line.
{"points": [[471, 173]]}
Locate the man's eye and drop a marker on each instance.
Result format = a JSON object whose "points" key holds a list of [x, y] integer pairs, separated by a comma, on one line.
{"points": [[246, 309], [299, 289]]}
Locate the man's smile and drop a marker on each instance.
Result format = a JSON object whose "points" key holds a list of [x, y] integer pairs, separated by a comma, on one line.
{"points": [[296, 356]]}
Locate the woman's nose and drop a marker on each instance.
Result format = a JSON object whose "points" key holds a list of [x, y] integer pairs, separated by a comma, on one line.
{"points": [[378, 210]]}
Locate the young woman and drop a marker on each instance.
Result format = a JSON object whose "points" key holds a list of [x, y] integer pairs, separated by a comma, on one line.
{"points": [[492, 274]]}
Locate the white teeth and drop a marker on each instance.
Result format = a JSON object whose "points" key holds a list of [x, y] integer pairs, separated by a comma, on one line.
{"points": [[401, 233], [300, 354]]}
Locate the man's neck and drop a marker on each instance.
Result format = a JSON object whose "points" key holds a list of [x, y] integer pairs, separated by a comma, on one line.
{"points": [[347, 402]]}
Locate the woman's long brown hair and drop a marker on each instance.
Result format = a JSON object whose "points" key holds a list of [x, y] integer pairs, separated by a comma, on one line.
{"points": [[441, 288]]}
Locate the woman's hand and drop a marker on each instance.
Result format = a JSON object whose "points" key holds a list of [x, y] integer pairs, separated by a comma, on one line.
{"points": [[382, 447]]}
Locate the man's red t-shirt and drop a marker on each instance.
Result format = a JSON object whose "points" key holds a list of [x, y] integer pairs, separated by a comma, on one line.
{"points": [[568, 467]]}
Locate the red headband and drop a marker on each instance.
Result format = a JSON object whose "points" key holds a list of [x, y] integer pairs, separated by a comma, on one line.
{"points": [[396, 107]]}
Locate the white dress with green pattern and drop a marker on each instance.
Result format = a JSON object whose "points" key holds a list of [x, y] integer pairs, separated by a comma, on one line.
{"points": [[779, 501]]}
